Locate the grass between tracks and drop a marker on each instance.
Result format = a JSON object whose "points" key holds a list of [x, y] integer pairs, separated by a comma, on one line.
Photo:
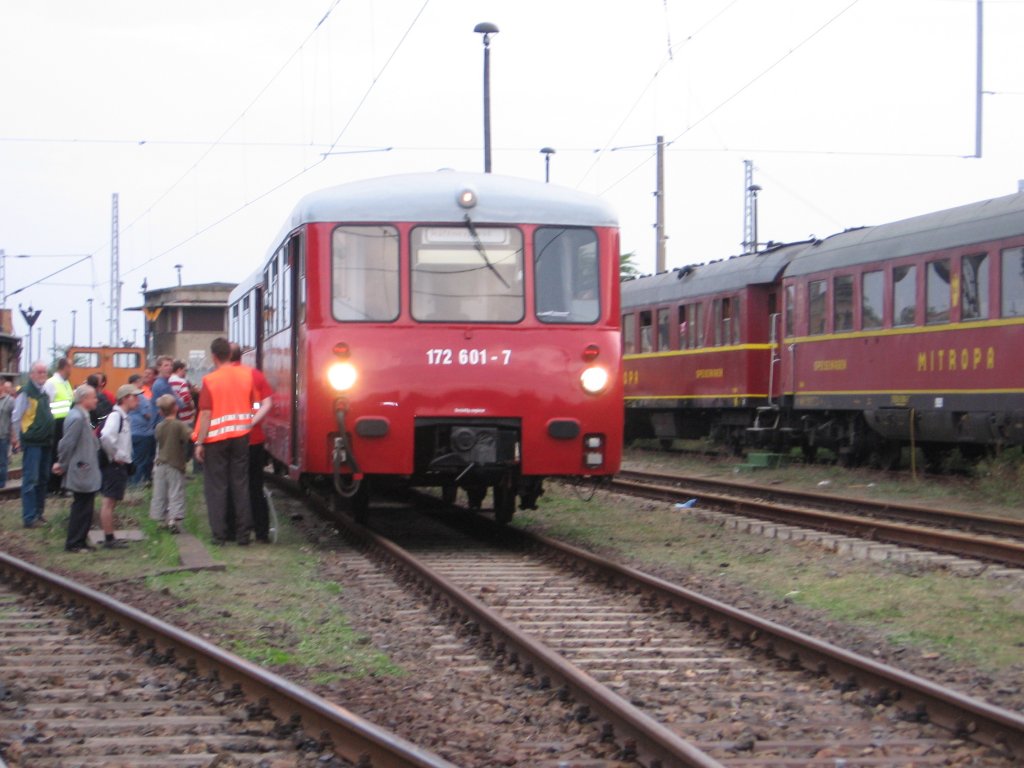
{"points": [[974, 620], [270, 604]]}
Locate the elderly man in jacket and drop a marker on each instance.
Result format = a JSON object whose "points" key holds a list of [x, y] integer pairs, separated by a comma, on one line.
{"points": [[78, 464]]}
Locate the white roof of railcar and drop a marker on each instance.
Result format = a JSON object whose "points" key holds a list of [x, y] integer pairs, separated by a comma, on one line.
{"points": [[981, 222], [433, 198]]}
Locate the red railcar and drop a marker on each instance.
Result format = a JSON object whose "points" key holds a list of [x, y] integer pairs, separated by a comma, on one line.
{"points": [[443, 329], [866, 342]]}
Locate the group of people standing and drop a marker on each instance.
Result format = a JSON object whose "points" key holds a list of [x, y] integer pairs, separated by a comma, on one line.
{"points": [[101, 444]]}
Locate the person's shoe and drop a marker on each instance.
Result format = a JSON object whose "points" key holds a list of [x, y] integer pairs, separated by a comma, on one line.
{"points": [[42, 521], [243, 542], [173, 528], [115, 544], [30, 524], [262, 539], [79, 550], [217, 542]]}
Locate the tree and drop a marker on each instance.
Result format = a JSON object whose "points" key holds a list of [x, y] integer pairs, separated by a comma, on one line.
{"points": [[627, 266]]}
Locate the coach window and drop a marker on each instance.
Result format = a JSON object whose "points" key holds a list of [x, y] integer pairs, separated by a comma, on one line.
{"points": [[565, 267], [872, 299], [842, 303], [904, 295], [1013, 282], [247, 326], [681, 319], [467, 275], [646, 332], [790, 309], [974, 287], [663, 332], [628, 334], [938, 298], [817, 291], [234, 329], [364, 273]]}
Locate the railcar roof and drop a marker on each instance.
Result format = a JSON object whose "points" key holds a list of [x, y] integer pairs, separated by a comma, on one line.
{"points": [[718, 277], [980, 222], [432, 198]]}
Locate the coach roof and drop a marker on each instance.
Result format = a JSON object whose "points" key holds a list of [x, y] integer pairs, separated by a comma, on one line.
{"points": [[732, 274], [981, 222], [433, 198]]}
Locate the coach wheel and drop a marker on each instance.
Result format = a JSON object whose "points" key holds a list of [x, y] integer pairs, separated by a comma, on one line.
{"points": [[475, 496], [504, 503], [449, 491]]}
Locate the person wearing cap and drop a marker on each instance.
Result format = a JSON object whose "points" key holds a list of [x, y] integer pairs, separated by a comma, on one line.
{"points": [[116, 456], [143, 420]]}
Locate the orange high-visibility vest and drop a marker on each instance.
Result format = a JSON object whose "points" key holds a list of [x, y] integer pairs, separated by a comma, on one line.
{"points": [[231, 392]]}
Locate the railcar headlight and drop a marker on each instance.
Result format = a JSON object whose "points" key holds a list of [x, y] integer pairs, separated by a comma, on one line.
{"points": [[342, 375], [594, 379]]}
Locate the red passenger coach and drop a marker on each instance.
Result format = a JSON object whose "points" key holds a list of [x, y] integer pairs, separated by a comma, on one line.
{"points": [[444, 329], [699, 344]]}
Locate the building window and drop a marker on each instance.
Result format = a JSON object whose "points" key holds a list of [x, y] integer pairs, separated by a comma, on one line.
{"points": [[202, 319], [938, 297], [817, 291], [974, 287], [904, 295], [872, 299]]}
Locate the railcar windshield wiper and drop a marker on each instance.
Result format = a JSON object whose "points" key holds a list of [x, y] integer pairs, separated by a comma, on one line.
{"points": [[483, 254]]}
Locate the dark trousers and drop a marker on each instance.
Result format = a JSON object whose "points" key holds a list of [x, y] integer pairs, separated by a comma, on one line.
{"points": [[227, 467], [143, 454], [80, 521], [55, 481], [260, 513], [35, 475]]}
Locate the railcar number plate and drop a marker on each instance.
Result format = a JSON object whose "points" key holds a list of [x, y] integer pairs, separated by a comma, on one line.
{"points": [[469, 356]]}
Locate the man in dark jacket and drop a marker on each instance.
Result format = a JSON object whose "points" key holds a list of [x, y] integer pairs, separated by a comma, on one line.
{"points": [[33, 432]]}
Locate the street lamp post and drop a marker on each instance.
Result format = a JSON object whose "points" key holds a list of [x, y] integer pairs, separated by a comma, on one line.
{"points": [[74, 316], [547, 152], [487, 29], [90, 321]]}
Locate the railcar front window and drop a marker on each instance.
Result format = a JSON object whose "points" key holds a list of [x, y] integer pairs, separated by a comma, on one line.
{"points": [[566, 272], [467, 274], [364, 273], [938, 299], [1013, 282], [872, 299], [904, 295], [974, 287]]}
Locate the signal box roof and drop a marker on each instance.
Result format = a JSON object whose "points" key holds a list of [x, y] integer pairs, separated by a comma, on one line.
{"points": [[731, 274], [981, 222]]}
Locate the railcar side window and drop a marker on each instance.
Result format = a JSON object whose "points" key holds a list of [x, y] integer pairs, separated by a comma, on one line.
{"points": [[646, 334], [974, 287], [938, 297], [85, 360], [790, 309], [689, 326], [817, 290], [1013, 282], [566, 271], [842, 298], [467, 275], [364, 273], [872, 299], [904, 295], [247, 327], [628, 334], [663, 334]]}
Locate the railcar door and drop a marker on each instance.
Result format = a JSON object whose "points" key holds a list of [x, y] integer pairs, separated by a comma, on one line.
{"points": [[297, 263]]}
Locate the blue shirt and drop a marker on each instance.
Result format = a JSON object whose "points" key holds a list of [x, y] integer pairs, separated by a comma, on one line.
{"points": [[162, 386], [143, 419]]}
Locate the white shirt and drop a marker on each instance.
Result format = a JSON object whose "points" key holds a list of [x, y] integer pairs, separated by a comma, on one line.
{"points": [[116, 437]]}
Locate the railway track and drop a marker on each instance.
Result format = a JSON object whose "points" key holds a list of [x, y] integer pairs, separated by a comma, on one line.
{"points": [[673, 677], [88, 681], [992, 539]]}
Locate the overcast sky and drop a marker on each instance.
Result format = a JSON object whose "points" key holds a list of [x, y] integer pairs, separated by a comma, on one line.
{"points": [[210, 119]]}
